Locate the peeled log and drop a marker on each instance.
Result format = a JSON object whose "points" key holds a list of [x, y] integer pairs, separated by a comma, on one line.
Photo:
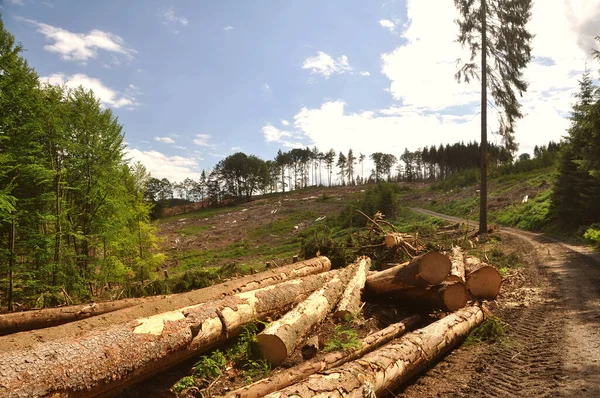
{"points": [[483, 280], [457, 270], [300, 372], [280, 338], [447, 296], [106, 360], [37, 319], [382, 371], [428, 269], [351, 299]]}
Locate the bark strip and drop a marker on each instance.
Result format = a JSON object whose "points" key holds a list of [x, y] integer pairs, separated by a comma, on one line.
{"points": [[383, 370], [302, 371], [457, 271], [104, 361]]}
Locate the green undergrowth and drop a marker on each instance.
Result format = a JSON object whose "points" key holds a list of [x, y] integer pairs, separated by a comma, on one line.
{"points": [[492, 330], [193, 230], [592, 235], [206, 212], [533, 215], [493, 253], [242, 354], [345, 337]]}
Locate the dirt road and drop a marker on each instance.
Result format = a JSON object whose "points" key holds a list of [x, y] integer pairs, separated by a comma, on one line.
{"points": [[553, 345]]}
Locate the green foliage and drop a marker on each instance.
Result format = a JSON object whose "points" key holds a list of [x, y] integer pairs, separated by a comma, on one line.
{"points": [[209, 367], [256, 368], [459, 179], [533, 215], [345, 337], [194, 230], [592, 234], [492, 330], [381, 198], [184, 384], [245, 347]]}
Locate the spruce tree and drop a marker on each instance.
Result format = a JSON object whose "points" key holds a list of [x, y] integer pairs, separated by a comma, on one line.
{"points": [[496, 31]]}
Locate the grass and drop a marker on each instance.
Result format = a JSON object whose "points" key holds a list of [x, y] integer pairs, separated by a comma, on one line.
{"points": [[206, 212], [194, 230], [533, 215]]}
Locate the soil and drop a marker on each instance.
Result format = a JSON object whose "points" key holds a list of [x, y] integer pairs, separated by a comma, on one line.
{"points": [[552, 347]]}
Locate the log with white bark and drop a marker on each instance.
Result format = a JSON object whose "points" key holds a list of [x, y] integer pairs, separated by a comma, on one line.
{"points": [[427, 269], [277, 341], [330, 360], [104, 361], [447, 296], [350, 302], [382, 371], [483, 280], [457, 271], [37, 319]]}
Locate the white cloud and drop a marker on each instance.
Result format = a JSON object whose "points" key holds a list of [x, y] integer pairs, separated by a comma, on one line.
{"points": [[236, 148], [266, 87], [166, 140], [228, 28], [81, 46], [107, 96], [274, 135], [17, 2], [325, 65], [174, 168], [285, 122], [170, 17], [386, 23], [203, 140], [365, 73]]}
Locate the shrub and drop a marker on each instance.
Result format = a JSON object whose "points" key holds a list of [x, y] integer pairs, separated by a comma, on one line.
{"points": [[492, 330], [592, 234]]}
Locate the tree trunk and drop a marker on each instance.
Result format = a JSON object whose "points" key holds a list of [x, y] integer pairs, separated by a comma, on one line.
{"points": [[302, 371], [447, 296], [427, 269], [106, 360], [395, 239], [18, 322], [457, 271], [382, 371], [483, 280], [11, 263], [351, 299], [483, 155], [279, 339]]}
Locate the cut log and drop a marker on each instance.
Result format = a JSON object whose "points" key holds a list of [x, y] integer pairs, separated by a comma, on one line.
{"points": [[447, 296], [37, 319], [382, 371], [395, 239], [103, 361], [300, 372], [428, 269], [279, 339], [351, 299], [483, 280], [457, 270]]}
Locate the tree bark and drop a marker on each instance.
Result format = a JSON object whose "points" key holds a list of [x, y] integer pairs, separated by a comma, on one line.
{"points": [[11, 263], [383, 370], [103, 361], [483, 145], [18, 322], [457, 271], [447, 296], [428, 269], [351, 299], [483, 280], [330, 360], [280, 338]]}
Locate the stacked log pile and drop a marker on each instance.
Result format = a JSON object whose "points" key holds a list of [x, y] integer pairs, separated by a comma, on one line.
{"points": [[299, 297]]}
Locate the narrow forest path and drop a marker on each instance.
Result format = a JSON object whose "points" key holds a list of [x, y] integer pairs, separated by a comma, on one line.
{"points": [[553, 346]]}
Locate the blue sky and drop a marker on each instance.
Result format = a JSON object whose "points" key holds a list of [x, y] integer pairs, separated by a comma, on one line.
{"points": [[193, 81]]}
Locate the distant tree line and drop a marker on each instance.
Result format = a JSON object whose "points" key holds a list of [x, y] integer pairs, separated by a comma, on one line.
{"points": [[73, 218], [239, 176]]}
